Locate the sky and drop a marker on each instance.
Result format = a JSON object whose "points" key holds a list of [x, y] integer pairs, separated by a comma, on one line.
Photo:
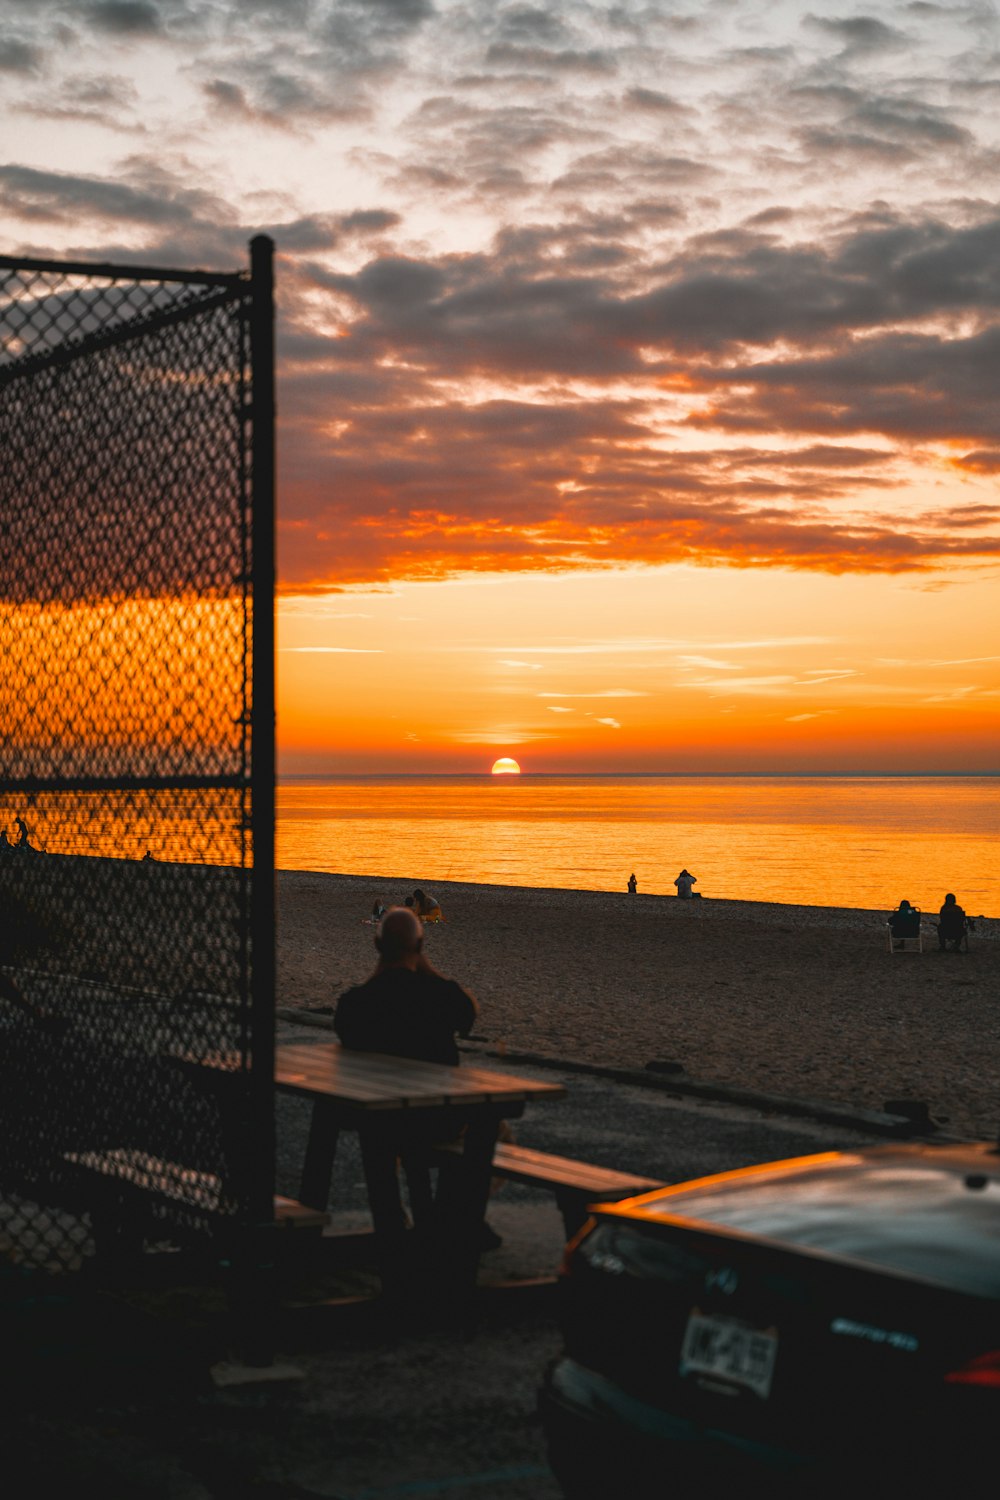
{"points": [[638, 362]]}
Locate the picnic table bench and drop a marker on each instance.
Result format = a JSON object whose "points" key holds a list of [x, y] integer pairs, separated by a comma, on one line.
{"points": [[134, 1176], [575, 1183]]}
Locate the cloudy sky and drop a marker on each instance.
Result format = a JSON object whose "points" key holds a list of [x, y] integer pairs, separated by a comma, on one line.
{"points": [[638, 362]]}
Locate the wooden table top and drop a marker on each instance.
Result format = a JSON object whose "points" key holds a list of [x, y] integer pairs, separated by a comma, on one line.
{"points": [[374, 1080]]}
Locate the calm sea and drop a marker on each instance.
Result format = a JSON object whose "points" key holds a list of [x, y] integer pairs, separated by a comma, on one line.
{"points": [[862, 841], [821, 841]]}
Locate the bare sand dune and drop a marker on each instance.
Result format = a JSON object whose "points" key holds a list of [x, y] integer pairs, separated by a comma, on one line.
{"points": [[804, 1001]]}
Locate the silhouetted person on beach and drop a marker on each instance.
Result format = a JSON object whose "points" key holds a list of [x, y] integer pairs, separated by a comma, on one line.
{"points": [[22, 833], [904, 923], [631, 885], [427, 908], [952, 923], [684, 882]]}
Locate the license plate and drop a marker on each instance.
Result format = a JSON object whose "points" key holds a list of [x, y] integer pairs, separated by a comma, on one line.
{"points": [[729, 1351]]}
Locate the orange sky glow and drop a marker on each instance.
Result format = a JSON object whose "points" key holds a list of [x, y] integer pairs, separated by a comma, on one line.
{"points": [[623, 425]]}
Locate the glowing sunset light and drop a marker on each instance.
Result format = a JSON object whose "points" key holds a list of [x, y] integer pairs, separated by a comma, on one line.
{"points": [[677, 408], [506, 767]]}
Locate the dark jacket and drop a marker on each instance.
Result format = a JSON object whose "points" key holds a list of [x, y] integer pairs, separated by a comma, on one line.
{"points": [[406, 1014], [951, 920]]}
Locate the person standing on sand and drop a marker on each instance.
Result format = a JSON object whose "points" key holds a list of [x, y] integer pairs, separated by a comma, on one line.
{"points": [[631, 885], [684, 882]]}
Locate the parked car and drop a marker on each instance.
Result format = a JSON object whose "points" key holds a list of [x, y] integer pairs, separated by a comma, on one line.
{"points": [[826, 1324]]}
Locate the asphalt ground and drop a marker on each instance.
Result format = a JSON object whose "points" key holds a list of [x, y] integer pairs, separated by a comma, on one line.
{"points": [[142, 1398]]}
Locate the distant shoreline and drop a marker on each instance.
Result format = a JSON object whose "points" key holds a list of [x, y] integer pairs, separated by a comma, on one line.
{"points": [[393, 888]]}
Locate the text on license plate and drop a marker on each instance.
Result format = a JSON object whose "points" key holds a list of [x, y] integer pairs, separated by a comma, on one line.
{"points": [[730, 1352]]}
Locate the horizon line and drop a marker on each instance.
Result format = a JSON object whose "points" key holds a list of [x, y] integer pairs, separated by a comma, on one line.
{"points": [[697, 775]]}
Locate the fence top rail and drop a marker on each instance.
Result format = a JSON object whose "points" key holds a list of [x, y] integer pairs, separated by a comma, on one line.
{"points": [[124, 273]]}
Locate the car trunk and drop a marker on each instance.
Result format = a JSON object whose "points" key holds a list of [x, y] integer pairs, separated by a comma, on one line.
{"points": [[793, 1349]]}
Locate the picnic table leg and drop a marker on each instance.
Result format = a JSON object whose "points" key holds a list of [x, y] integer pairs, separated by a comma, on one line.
{"points": [[379, 1158], [463, 1193], [321, 1148]]}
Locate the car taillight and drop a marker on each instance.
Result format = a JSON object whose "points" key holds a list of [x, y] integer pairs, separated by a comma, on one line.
{"points": [[983, 1370]]}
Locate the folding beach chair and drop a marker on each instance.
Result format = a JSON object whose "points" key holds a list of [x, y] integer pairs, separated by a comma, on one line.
{"points": [[902, 927], [963, 943]]}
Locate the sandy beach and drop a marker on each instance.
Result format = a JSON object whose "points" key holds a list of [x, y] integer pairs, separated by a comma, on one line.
{"points": [[803, 1001]]}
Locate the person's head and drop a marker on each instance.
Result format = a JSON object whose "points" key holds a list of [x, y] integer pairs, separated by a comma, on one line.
{"points": [[418, 895], [409, 901], [399, 937], [904, 906], [949, 900]]}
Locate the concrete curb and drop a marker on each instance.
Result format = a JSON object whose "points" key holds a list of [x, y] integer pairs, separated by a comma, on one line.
{"points": [[673, 1081]]}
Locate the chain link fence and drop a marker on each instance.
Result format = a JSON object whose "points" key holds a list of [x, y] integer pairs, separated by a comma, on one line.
{"points": [[136, 757]]}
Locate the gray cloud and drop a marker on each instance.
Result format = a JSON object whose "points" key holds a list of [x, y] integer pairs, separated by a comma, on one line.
{"points": [[17, 56], [60, 197], [653, 100], [124, 17], [859, 34]]}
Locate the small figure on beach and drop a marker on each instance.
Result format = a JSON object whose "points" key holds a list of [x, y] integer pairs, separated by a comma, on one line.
{"points": [[631, 885], [952, 924], [22, 834], [904, 923], [427, 908], [684, 882]]}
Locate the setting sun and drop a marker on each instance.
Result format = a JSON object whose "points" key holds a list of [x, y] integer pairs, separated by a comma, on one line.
{"points": [[506, 767]]}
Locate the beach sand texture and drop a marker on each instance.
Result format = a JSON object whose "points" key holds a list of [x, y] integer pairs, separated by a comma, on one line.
{"points": [[792, 1000]]}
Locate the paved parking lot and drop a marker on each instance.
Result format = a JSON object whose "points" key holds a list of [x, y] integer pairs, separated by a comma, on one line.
{"points": [[355, 1408]]}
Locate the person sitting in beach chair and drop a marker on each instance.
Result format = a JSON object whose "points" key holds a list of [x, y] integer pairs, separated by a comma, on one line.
{"points": [[904, 923], [426, 907], [953, 925]]}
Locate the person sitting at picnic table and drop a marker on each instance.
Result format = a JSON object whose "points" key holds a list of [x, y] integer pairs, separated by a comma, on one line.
{"points": [[952, 923], [904, 922], [427, 908], [406, 1008]]}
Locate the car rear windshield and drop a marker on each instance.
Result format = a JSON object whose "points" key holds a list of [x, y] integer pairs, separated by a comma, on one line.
{"points": [[919, 1219]]}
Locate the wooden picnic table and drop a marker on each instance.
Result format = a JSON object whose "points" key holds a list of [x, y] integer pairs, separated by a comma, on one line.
{"points": [[399, 1103]]}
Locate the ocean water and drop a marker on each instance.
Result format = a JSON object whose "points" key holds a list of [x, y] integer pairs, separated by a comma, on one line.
{"points": [[864, 841], [820, 841]]}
